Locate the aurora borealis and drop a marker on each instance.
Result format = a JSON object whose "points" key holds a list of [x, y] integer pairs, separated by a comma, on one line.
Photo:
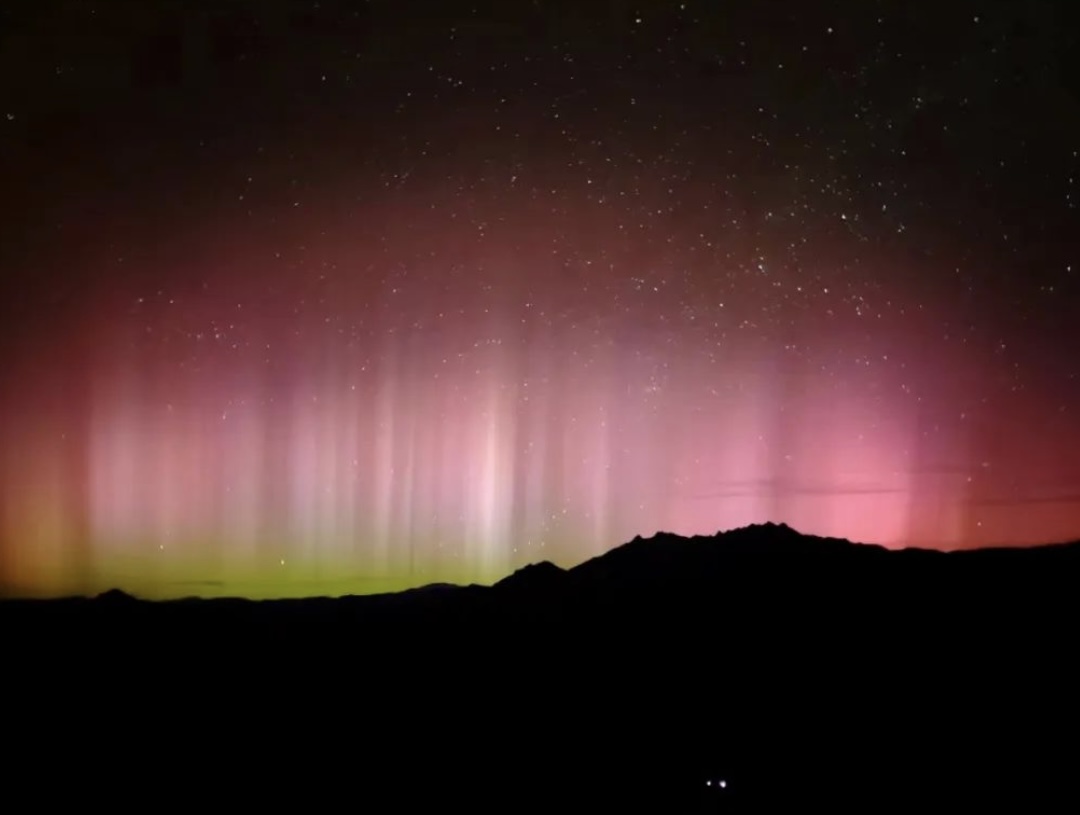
{"points": [[305, 298]]}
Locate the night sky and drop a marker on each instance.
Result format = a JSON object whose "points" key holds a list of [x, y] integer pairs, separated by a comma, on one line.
{"points": [[331, 297]]}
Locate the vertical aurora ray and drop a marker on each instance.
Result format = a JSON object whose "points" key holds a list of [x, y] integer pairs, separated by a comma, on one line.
{"points": [[384, 434]]}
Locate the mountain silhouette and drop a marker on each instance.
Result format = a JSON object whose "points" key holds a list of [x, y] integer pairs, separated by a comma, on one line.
{"points": [[796, 670], [115, 596], [536, 577]]}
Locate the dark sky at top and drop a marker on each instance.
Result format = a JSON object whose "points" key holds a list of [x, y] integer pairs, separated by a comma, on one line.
{"points": [[320, 293]]}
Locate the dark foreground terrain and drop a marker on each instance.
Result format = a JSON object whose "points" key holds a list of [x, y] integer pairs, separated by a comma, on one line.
{"points": [[800, 672]]}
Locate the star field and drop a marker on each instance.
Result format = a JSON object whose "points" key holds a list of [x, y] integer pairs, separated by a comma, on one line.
{"points": [[342, 297]]}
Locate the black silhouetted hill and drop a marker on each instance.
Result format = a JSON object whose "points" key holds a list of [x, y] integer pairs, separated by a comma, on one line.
{"points": [[115, 597], [801, 671]]}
